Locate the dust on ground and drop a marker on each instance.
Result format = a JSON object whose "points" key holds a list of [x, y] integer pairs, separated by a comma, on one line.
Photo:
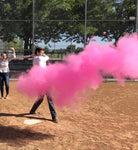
{"points": [[105, 119]]}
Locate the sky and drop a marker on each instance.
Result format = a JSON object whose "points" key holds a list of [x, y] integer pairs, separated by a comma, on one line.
{"points": [[63, 44], [60, 45]]}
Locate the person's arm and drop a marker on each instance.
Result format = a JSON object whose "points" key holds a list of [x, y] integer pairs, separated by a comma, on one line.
{"points": [[13, 54], [13, 50], [47, 59]]}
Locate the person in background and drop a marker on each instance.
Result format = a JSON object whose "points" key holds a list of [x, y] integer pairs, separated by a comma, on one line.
{"points": [[40, 59], [4, 72]]}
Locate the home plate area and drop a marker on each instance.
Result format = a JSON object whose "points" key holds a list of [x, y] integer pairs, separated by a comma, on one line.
{"points": [[32, 121]]}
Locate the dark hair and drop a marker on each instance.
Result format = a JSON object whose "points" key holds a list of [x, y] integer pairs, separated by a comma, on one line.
{"points": [[38, 49], [4, 52]]}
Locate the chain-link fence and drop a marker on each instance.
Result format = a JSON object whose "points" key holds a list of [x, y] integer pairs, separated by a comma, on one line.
{"points": [[63, 27]]}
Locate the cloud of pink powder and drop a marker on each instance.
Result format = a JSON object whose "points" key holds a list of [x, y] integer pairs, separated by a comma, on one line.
{"points": [[87, 69]]}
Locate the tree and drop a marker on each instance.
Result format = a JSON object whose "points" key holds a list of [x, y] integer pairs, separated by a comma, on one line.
{"points": [[61, 19], [46, 49], [71, 48], [103, 15], [17, 44], [118, 12], [9, 27]]}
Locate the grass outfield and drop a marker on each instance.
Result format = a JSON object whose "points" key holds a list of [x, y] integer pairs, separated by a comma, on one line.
{"points": [[106, 119]]}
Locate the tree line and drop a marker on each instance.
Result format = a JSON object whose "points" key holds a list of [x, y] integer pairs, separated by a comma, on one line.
{"points": [[56, 20]]}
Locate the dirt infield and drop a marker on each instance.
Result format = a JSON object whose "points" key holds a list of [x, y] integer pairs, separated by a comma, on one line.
{"points": [[106, 120]]}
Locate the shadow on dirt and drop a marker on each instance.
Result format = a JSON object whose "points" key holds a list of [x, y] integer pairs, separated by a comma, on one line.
{"points": [[20, 137], [25, 115]]}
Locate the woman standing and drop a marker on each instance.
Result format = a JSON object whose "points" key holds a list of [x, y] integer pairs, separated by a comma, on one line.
{"points": [[4, 72]]}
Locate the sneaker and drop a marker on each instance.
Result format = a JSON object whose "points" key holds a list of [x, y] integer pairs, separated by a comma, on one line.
{"points": [[55, 120], [2, 98], [6, 97]]}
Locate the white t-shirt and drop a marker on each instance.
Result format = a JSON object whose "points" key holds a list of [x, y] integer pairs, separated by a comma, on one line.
{"points": [[4, 65], [40, 60]]}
